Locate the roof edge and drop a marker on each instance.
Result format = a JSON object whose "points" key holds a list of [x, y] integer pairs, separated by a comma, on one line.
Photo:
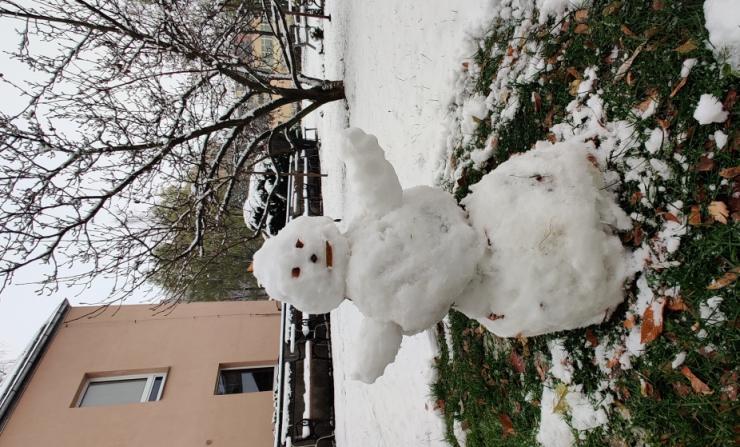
{"points": [[27, 363]]}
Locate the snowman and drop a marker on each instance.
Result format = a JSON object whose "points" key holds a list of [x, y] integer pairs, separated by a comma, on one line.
{"points": [[532, 251]]}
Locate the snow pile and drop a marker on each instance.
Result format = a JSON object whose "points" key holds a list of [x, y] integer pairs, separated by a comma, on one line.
{"points": [[723, 23], [552, 261], [305, 264], [370, 359], [584, 412], [409, 265], [265, 195], [709, 110], [710, 312]]}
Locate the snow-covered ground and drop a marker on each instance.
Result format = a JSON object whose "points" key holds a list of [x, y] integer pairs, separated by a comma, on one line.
{"points": [[396, 60]]}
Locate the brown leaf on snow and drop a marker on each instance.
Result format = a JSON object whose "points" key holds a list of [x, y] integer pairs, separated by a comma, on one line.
{"points": [[705, 164], [724, 280], [517, 362], [439, 404], [635, 197], [581, 15], [670, 217], [678, 87], [652, 322], [676, 304], [687, 47], [730, 172], [652, 96], [582, 28], [537, 100], [695, 216], [629, 323], [626, 65], [592, 338], [573, 72], [506, 424], [718, 211], [696, 384]]}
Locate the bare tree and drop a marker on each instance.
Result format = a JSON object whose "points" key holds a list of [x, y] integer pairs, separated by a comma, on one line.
{"points": [[138, 95]]}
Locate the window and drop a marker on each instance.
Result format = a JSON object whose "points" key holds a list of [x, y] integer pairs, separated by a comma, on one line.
{"points": [[245, 380], [122, 390]]}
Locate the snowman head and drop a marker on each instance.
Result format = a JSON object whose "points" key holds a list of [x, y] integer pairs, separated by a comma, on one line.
{"points": [[305, 264]]}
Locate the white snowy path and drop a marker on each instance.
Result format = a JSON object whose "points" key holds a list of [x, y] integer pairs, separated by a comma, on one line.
{"points": [[396, 60]]}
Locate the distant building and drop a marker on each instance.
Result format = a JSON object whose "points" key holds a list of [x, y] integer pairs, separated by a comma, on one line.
{"points": [[201, 375]]}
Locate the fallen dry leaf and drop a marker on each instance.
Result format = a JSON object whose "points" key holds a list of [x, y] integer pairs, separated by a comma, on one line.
{"points": [[465, 66], [681, 389], [730, 100], [695, 216], [729, 386], [718, 211], [506, 424], [696, 383], [582, 28], [561, 405], [627, 31], [652, 322], [517, 362], [637, 235], [705, 164], [626, 65], [678, 87], [629, 323], [650, 32], [646, 388], [581, 15], [635, 197], [670, 217], [537, 100], [439, 404], [657, 5], [541, 366], [676, 304], [652, 96], [611, 8], [592, 338], [630, 79], [687, 47], [730, 172], [725, 280]]}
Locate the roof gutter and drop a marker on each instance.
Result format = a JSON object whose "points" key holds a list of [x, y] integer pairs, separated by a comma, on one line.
{"points": [[27, 364]]}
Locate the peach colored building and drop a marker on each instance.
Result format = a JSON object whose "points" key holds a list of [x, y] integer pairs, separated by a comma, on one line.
{"points": [[201, 375]]}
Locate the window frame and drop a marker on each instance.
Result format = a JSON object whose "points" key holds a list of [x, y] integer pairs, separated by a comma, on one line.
{"points": [[144, 395], [244, 367]]}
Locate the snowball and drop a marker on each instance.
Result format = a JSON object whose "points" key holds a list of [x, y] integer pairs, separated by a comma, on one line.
{"points": [[374, 188], [376, 345], [409, 265], [552, 262], [709, 110], [720, 138], [305, 264], [723, 23]]}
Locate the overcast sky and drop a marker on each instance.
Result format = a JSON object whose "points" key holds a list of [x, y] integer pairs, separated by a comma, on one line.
{"points": [[22, 311]]}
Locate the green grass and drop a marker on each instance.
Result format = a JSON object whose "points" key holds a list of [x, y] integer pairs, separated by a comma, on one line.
{"points": [[477, 381]]}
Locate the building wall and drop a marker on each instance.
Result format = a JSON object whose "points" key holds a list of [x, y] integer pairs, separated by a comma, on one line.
{"points": [[191, 342]]}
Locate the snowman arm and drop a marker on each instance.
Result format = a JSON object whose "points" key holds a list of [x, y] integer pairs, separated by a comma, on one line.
{"points": [[377, 343], [373, 184]]}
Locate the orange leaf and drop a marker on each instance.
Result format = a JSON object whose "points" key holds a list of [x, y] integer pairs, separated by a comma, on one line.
{"points": [[537, 100], [718, 211], [517, 361], [705, 164], [581, 28], [724, 280], [696, 383], [635, 197], [581, 15], [695, 216], [652, 322], [627, 31], [678, 87], [629, 323], [250, 267], [506, 424], [677, 304], [592, 338], [730, 172], [687, 46], [670, 217]]}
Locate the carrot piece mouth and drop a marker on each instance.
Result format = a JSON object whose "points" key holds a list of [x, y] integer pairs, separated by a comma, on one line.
{"points": [[329, 256]]}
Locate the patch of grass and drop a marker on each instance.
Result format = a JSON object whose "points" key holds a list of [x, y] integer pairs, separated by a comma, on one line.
{"points": [[654, 403]]}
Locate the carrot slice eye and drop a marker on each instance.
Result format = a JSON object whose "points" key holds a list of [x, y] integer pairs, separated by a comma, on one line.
{"points": [[329, 255], [296, 272], [299, 244]]}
